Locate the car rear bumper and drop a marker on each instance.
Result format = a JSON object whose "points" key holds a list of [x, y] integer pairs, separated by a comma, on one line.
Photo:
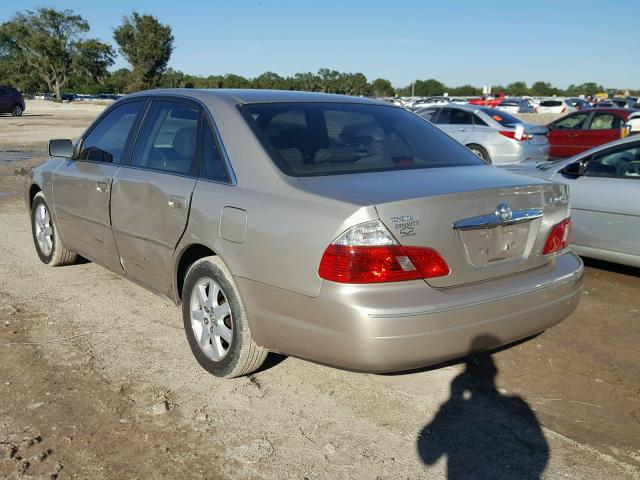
{"points": [[407, 325], [516, 152]]}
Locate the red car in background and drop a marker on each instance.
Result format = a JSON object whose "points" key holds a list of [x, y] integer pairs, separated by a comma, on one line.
{"points": [[582, 130], [491, 100]]}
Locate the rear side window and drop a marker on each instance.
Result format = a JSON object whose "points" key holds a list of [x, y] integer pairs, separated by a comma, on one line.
{"points": [[605, 121], [168, 138], [478, 121], [213, 167], [306, 139], [107, 140]]}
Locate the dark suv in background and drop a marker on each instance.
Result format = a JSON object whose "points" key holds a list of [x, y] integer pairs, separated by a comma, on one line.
{"points": [[11, 101]]}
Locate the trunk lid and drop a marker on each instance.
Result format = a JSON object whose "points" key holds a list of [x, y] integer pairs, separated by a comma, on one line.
{"points": [[421, 207]]}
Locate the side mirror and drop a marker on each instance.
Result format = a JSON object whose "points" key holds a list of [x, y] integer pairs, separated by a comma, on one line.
{"points": [[61, 148], [574, 169]]}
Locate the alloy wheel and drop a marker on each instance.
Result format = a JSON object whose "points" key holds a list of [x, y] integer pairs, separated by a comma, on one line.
{"points": [[211, 318], [43, 229]]}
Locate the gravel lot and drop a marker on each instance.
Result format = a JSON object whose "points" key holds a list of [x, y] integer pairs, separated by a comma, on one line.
{"points": [[97, 381]]}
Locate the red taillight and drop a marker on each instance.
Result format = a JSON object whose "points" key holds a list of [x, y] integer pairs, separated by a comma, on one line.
{"points": [[512, 135], [564, 109], [559, 238], [377, 264]]}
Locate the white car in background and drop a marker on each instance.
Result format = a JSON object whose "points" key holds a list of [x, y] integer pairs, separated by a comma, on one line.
{"points": [[555, 105], [633, 122], [429, 102]]}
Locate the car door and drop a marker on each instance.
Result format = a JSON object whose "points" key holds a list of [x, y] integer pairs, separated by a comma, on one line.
{"points": [[604, 209], [565, 134], [151, 196], [81, 186], [604, 127], [456, 122]]}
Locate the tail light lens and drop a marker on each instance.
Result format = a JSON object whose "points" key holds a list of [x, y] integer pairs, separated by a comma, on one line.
{"points": [[512, 134], [368, 253], [559, 238], [625, 131], [564, 109]]}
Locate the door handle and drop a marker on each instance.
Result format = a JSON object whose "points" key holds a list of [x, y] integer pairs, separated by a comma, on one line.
{"points": [[177, 202], [463, 129], [102, 186]]}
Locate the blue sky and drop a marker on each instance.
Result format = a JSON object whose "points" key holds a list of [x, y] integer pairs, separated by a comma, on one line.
{"points": [[457, 42]]}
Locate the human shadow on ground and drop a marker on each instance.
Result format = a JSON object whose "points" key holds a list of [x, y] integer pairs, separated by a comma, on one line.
{"points": [[482, 433]]}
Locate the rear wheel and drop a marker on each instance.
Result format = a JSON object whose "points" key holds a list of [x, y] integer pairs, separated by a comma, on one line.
{"points": [[480, 152], [17, 110], [45, 236], [215, 321]]}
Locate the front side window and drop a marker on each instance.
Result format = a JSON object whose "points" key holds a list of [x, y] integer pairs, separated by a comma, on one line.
{"points": [[572, 122], [605, 121], [107, 140], [168, 138], [429, 114], [306, 139], [620, 163]]}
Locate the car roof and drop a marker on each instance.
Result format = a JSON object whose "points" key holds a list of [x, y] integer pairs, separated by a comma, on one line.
{"points": [[245, 96]]}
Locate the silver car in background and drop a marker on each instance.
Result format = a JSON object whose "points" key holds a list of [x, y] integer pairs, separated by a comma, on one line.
{"points": [[605, 199], [338, 229], [495, 136], [515, 106]]}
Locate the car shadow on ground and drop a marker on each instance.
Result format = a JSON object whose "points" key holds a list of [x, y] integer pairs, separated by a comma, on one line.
{"points": [[611, 267], [483, 433]]}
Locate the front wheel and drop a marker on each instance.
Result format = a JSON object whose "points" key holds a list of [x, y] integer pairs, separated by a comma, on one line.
{"points": [[215, 321], [17, 111], [45, 237], [480, 152]]}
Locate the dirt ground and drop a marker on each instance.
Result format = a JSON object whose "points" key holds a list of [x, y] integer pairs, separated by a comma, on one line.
{"points": [[97, 381]]}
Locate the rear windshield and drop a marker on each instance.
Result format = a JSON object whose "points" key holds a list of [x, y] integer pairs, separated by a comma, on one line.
{"points": [[503, 118], [551, 103], [509, 103], [307, 139]]}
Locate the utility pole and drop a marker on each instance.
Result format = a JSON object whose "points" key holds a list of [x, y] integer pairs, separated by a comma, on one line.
{"points": [[413, 89]]}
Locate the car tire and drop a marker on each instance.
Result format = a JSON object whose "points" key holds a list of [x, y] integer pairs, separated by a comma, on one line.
{"points": [[480, 152], [17, 110], [45, 235], [215, 321]]}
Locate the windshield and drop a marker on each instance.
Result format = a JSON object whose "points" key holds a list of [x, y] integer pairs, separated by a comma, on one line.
{"points": [[306, 139], [551, 103], [503, 118]]}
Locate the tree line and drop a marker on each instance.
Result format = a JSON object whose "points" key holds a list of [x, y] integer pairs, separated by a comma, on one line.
{"points": [[47, 50]]}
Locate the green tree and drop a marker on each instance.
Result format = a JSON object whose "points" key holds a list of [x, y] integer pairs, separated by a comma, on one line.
{"points": [[382, 88], [427, 88], [544, 89], [46, 45], [517, 89], [147, 45]]}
